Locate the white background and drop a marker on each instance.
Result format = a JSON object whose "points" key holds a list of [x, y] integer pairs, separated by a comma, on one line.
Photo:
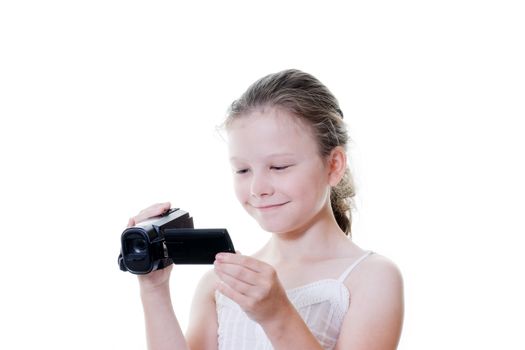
{"points": [[109, 106]]}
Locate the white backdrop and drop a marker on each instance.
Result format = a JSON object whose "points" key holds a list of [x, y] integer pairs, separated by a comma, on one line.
{"points": [[109, 106]]}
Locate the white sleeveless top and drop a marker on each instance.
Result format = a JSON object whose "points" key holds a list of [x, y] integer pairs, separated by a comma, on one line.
{"points": [[321, 304]]}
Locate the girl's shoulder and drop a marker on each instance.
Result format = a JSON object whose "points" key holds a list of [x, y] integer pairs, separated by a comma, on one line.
{"points": [[375, 273], [376, 305]]}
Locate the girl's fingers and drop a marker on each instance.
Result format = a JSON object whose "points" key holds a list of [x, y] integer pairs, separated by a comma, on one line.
{"points": [[235, 284], [152, 211], [233, 294], [242, 260], [237, 272]]}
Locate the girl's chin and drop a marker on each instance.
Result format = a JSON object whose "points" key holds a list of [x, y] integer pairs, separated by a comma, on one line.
{"points": [[274, 226], [269, 226]]}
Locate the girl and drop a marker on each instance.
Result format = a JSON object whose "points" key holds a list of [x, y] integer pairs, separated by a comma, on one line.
{"points": [[310, 286]]}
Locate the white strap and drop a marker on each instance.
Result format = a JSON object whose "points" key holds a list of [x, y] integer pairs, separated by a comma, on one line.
{"points": [[345, 274]]}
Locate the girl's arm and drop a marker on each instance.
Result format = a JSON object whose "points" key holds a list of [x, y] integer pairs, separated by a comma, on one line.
{"points": [[375, 317], [289, 328], [162, 327]]}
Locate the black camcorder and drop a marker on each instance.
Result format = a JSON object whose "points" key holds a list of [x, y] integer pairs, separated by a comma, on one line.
{"points": [[170, 238]]}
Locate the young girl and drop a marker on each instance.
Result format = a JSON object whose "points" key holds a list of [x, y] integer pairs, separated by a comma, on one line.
{"points": [[310, 286]]}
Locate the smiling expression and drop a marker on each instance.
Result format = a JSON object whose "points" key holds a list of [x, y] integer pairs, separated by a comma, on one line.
{"points": [[279, 177]]}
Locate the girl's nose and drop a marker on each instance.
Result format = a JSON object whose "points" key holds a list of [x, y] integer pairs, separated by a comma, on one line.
{"points": [[261, 186]]}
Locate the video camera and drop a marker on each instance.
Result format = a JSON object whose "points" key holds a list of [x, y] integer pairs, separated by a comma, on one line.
{"points": [[170, 238]]}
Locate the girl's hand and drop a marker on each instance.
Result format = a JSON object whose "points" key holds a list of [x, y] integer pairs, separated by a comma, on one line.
{"points": [[159, 278], [253, 285]]}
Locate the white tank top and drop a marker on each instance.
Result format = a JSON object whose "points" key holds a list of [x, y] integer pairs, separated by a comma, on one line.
{"points": [[321, 304]]}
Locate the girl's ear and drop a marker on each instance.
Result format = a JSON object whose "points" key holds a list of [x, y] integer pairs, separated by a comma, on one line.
{"points": [[336, 165]]}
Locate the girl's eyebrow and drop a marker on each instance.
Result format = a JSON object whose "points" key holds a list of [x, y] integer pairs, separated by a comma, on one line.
{"points": [[284, 154], [272, 155]]}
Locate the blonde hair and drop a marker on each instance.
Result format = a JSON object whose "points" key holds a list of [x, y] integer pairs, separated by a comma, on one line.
{"points": [[306, 97]]}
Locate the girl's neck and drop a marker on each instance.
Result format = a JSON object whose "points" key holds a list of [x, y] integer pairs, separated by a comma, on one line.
{"points": [[323, 239]]}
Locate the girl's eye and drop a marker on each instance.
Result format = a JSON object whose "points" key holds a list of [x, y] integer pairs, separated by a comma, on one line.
{"points": [[280, 167], [241, 171]]}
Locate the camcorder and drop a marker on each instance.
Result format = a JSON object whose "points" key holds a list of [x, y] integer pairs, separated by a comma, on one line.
{"points": [[170, 238]]}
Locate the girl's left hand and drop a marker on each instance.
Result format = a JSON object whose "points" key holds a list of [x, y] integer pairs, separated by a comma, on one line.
{"points": [[253, 285]]}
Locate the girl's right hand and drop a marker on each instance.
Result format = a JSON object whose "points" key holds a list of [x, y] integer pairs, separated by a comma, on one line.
{"points": [[158, 278]]}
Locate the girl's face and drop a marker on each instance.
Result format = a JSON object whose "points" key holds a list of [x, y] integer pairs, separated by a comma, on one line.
{"points": [[279, 177]]}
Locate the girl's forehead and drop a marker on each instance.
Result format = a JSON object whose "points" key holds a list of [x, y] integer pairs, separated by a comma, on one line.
{"points": [[272, 120], [267, 131]]}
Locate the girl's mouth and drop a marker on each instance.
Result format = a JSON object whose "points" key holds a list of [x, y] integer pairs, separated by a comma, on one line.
{"points": [[269, 206]]}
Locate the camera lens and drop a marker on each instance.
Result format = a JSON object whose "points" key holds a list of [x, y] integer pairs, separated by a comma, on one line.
{"points": [[137, 250], [139, 246]]}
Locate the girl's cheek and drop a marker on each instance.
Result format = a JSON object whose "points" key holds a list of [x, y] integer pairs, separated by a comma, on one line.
{"points": [[239, 189]]}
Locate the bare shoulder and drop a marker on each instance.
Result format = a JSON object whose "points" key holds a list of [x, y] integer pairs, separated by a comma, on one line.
{"points": [[202, 327], [375, 273], [375, 316]]}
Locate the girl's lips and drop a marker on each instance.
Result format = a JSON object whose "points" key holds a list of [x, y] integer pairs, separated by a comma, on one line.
{"points": [[269, 206]]}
